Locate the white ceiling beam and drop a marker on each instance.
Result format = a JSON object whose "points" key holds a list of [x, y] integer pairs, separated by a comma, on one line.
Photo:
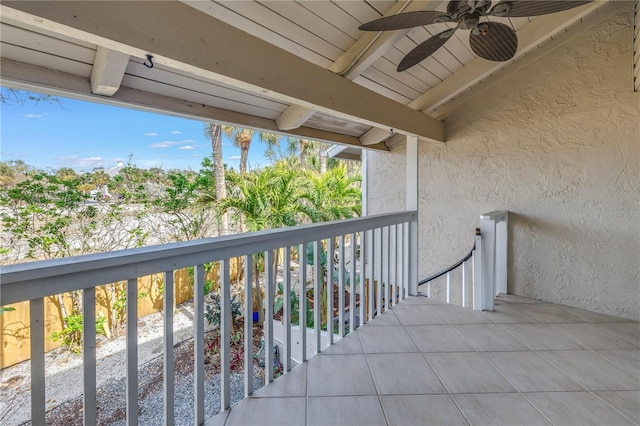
{"points": [[108, 70], [363, 53], [375, 135], [606, 10], [293, 117], [529, 38], [31, 77], [183, 38], [372, 45]]}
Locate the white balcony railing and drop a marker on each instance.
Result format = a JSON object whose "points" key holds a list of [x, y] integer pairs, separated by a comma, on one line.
{"points": [[388, 269]]}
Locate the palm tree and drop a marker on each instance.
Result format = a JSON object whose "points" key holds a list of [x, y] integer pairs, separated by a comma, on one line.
{"points": [[264, 199], [301, 147], [332, 195], [242, 139], [213, 132]]}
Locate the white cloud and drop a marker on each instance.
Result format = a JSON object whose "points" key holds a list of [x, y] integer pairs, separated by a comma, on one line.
{"points": [[196, 155], [164, 144], [151, 134], [78, 162], [169, 144], [176, 132], [187, 147], [34, 115], [234, 158]]}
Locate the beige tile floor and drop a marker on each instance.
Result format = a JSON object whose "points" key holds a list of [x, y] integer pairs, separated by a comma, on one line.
{"points": [[422, 363]]}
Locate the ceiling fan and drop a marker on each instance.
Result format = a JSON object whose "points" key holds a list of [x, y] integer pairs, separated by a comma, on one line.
{"points": [[494, 41]]}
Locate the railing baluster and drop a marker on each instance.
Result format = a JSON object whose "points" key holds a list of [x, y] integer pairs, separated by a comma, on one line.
{"points": [[370, 256], [405, 258], [464, 284], [363, 276], [341, 253], [89, 355], [132, 351], [248, 326], [36, 313], [329, 284], [399, 262], [449, 287], [225, 335], [286, 309], [429, 289], [379, 260], [268, 326], [387, 264], [198, 345], [317, 284], [168, 369], [302, 262], [397, 256], [352, 284]]}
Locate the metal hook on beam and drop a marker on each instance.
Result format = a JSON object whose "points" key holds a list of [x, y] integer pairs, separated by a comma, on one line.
{"points": [[150, 59]]}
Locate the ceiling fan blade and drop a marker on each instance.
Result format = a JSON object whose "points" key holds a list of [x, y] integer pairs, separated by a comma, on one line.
{"points": [[494, 41], [454, 5], [425, 49], [523, 8], [406, 20]]}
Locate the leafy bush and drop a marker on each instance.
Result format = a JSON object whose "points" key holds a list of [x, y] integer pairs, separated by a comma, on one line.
{"points": [[71, 334], [212, 312]]}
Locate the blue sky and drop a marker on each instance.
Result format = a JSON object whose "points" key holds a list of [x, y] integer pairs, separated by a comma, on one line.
{"points": [[83, 135]]}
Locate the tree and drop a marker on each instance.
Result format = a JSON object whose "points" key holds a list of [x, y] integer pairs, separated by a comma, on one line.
{"points": [[332, 195], [264, 199], [242, 139], [213, 132], [301, 147]]}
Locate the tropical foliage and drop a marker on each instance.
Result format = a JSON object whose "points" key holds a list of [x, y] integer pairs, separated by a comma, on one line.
{"points": [[53, 214]]}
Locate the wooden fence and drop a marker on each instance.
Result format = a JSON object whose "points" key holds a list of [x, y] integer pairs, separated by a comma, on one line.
{"points": [[15, 326]]}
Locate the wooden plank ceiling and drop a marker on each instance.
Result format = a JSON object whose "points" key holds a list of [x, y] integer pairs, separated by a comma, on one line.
{"points": [[271, 65]]}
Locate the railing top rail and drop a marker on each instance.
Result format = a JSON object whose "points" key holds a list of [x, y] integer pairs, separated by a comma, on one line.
{"points": [[496, 215], [452, 267], [32, 280]]}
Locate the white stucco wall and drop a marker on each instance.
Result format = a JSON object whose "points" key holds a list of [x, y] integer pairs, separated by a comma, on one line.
{"points": [[558, 145]]}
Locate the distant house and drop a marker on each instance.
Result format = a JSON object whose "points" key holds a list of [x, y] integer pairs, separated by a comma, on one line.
{"points": [[103, 192]]}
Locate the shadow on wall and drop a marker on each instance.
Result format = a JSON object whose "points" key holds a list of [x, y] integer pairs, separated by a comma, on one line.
{"points": [[526, 236]]}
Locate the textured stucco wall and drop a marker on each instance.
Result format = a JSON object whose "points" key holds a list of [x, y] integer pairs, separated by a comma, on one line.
{"points": [[558, 145]]}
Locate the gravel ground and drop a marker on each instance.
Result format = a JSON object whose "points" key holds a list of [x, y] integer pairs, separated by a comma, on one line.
{"points": [[111, 397], [64, 380]]}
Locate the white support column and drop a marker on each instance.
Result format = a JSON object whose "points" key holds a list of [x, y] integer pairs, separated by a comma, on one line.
{"points": [[412, 204], [493, 227], [502, 237]]}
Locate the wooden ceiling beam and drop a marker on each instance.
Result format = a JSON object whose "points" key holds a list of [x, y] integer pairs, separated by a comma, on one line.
{"points": [[108, 70], [293, 117], [31, 77], [186, 39]]}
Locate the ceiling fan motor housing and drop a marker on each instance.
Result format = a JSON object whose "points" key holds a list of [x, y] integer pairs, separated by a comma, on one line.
{"points": [[469, 22]]}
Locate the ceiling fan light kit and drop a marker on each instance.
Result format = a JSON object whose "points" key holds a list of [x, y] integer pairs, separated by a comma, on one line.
{"points": [[490, 40]]}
